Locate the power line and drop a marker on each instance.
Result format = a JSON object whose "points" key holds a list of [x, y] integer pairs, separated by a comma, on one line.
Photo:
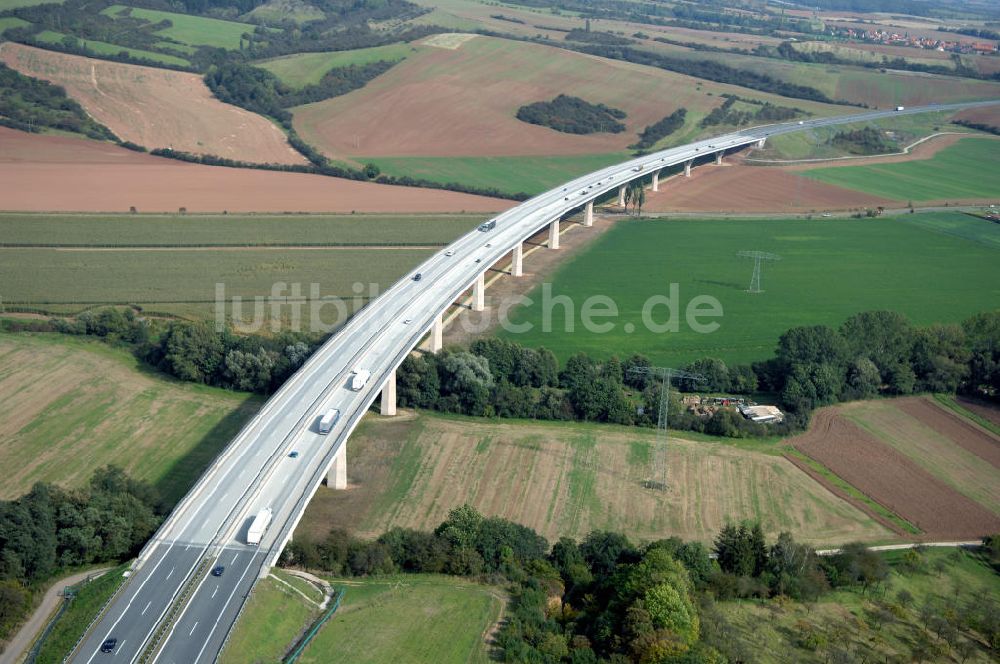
{"points": [[758, 258]]}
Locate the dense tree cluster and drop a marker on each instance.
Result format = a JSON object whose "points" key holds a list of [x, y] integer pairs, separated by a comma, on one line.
{"points": [[657, 131], [50, 529], [880, 352], [499, 378], [867, 140], [30, 104], [709, 70], [573, 115], [726, 114], [607, 599], [597, 37]]}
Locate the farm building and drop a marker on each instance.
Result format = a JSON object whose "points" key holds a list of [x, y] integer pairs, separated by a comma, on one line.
{"points": [[762, 414]]}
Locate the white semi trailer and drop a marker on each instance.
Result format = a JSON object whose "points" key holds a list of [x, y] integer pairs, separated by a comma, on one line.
{"points": [[258, 526], [359, 379]]}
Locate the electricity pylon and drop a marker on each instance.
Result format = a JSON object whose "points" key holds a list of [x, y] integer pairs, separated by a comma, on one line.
{"points": [[758, 258], [665, 374]]}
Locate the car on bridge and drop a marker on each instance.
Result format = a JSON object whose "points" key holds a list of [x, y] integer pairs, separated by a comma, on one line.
{"points": [[109, 645], [219, 569]]}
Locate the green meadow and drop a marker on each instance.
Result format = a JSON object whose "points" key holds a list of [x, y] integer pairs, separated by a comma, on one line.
{"points": [[304, 69], [968, 169], [934, 267]]}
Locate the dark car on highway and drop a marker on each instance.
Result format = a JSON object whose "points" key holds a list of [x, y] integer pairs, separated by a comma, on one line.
{"points": [[218, 571], [109, 645]]}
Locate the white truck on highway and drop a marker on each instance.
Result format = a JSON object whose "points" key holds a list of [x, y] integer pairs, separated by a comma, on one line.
{"points": [[359, 379], [258, 526], [900, 108], [329, 418]]}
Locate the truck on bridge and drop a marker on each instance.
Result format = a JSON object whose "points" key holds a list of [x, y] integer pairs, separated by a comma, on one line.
{"points": [[258, 526]]}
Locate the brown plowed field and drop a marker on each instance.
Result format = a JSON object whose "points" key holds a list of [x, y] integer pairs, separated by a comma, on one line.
{"points": [[988, 115], [893, 480], [965, 434], [62, 174], [156, 108], [740, 188], [445, 102]]}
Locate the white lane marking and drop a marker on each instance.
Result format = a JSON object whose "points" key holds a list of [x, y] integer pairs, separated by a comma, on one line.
{"points": [[224, 496], [120, 646], [234, 559], [215, 591], [223, 609], [147, 608], [171, 573], [193, 628]]}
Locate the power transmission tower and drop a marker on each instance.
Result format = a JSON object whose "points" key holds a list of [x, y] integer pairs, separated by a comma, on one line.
{"points": [[758, 258], [658, 480]]}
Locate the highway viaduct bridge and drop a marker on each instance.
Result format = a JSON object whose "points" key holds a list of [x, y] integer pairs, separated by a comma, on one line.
{"points": [[172, 609]]}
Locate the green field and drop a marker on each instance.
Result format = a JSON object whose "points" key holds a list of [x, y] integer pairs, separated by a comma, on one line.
{"points": [[273, 619], [830, 269], [969, 169], [193, 30], [304, 69], [8, 22], [171, 264], [14, 4], [413, 619], [531, 175], [70, 405], [845, 619], [104, 48]]}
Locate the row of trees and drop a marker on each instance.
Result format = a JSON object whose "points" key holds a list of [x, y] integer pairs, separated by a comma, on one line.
{"points": [[767, 112], [606, 599], [573, 115], [30, 104], [877, 352], [50, 529], [657, 131]]}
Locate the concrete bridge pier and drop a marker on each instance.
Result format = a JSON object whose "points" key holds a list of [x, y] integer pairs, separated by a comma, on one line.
{"points": [[479, 293], [588, 215], [336, 476], [437, 333], [517, 260], [656, 180], [621, 196], [687, 168], [554, 234], [718, 158], [388, 402]]}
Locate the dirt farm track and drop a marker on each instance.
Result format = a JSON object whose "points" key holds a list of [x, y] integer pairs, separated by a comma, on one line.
{"points": [[62, 174]]}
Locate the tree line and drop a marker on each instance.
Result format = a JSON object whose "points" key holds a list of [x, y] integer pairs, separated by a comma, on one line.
{"points": [[657, 131], [30, 104], [572, 115], [607, 599], [872, 353], [710, 70], [51, 529], [725, 114]]}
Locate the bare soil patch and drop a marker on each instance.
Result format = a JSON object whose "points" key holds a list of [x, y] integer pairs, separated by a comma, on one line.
{"points": [[156, 108], [987, 115], [893, 480], [963, 433], [740, 188], [63, 174], [443, 102]]}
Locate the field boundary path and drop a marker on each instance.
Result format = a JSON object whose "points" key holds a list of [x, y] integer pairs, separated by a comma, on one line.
{"points": [[25, 636], [905, 151], [908, 545]]}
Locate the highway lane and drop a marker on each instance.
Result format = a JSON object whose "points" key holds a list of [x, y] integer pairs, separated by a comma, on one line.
{"points": [[253, 471]]}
